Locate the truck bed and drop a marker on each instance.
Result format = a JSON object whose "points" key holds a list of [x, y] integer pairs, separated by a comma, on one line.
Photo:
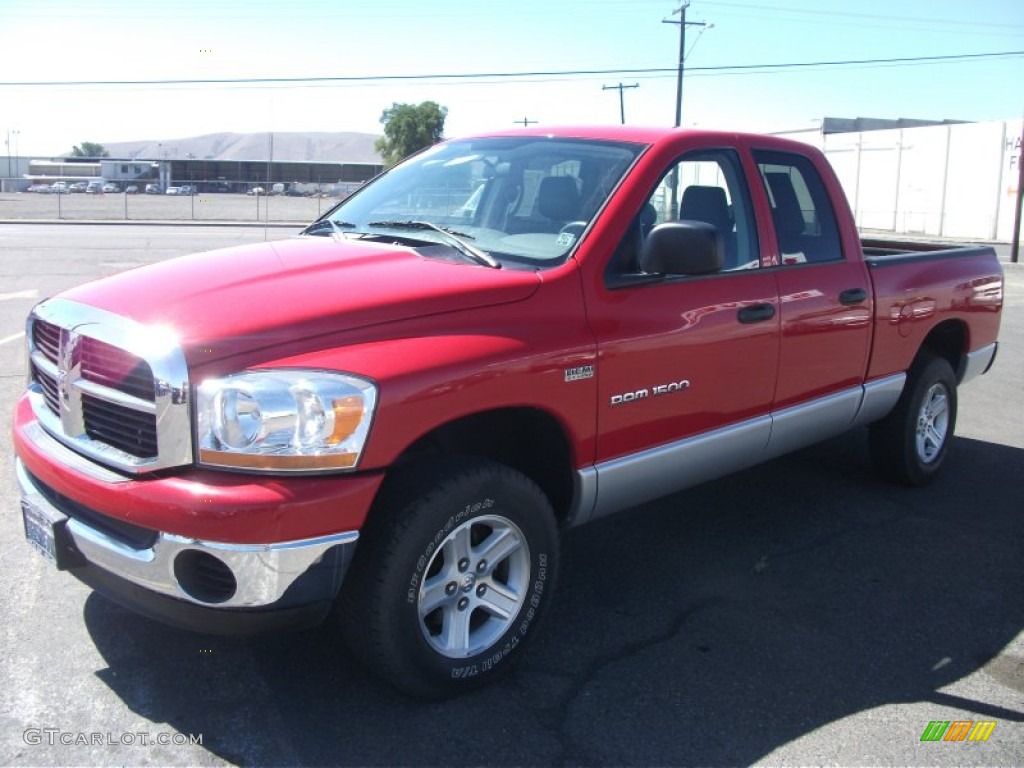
{"points": [[962, 284], [881, 252]]}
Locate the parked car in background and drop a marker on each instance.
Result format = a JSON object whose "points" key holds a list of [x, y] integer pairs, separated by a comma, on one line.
{"points": [[94, 188], [59, 187], [108, 187], [78, 187], [153, 189], [42, 189], [186, 189], [256, 191], [131, 189], [173, 191]]}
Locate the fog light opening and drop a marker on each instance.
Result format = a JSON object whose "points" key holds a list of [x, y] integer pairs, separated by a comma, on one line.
{"points": [[204, 577]]}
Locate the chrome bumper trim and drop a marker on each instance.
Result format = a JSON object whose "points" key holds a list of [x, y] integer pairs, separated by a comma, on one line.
{"points": [[263, 572], [61, 454]]}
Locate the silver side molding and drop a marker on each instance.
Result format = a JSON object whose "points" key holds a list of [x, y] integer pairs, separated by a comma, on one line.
{"points": [[977, 362], [880, 397], [802, 425], [631, 480], [656, 472]]}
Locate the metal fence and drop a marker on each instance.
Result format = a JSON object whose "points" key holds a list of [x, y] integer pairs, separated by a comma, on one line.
{"points": [[201, 200]]}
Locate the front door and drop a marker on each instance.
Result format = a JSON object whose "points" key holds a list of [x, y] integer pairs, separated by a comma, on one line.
{"points": [[679, 356]]}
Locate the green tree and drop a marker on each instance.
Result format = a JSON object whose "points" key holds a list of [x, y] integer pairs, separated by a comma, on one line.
{"points": [[89, 149], [408, 128]]}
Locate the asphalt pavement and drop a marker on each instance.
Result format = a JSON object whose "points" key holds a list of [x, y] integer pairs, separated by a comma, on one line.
{"points": [[802, 612]]}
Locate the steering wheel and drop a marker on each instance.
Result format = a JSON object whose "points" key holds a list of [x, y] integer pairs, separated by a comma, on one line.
{"points": [[573, 228]]}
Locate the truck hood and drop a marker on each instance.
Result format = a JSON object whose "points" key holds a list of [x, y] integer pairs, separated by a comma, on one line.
{"points": [[236, 300]]}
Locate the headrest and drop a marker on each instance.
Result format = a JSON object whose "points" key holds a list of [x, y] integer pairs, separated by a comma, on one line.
{"points": [[558, 198], [707, 204], [789, 220]]}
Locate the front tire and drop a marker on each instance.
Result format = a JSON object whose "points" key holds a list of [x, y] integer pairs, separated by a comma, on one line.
{"points": [[910, 444], [451, 576]]}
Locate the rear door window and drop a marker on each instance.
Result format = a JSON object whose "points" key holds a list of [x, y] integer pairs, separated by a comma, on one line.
{"points": [[805, 223]]}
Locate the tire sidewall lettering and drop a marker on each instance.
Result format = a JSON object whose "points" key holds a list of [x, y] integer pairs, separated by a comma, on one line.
{"points": [[514, 636]]}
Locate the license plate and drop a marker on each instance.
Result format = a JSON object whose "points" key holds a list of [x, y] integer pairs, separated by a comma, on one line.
{"points": [[48, 535]]}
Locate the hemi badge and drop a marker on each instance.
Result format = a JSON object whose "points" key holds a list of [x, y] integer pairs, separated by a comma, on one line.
{"points": [[580, 372]]}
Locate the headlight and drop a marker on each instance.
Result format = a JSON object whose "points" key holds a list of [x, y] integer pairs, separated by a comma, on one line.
{"points": [[284, 420]]}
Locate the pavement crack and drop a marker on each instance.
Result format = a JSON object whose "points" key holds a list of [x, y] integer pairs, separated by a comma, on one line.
{"points": [[555, 716]]}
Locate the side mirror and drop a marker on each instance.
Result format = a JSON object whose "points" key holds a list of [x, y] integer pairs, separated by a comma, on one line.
{"points": [[683, 248]]}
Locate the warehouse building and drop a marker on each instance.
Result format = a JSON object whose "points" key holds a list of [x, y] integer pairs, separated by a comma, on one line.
{"points": [[222, 162], [949, 179]]}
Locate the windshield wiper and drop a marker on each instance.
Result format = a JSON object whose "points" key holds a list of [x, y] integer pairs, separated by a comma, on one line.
{"points": [[337, 227], [452, 237]]}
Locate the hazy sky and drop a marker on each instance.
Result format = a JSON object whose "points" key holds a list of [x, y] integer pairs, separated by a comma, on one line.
{"points": [[132, 40]]}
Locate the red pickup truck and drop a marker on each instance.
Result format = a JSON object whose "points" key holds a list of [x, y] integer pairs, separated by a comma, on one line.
{"points": [[390, 418]]}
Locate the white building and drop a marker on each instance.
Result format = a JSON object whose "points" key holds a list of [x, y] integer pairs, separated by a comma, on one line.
{"points": [[957, 180]]}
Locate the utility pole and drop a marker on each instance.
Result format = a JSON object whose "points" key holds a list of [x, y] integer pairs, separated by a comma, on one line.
{"points": [[266, 191], [683, 24], [622, 103], [191, 183], [525, 121], [270, 164], [1015, 248]]}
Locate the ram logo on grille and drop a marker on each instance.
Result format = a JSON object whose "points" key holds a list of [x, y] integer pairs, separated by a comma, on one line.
{"points": [[67, 373]]}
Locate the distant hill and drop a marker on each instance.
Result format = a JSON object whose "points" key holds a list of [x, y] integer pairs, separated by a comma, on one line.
{"points": [[341, 147]]}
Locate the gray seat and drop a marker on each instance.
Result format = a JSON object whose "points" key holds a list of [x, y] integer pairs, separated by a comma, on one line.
{"points": [[710, 205], [788, 218], [558, 199]]}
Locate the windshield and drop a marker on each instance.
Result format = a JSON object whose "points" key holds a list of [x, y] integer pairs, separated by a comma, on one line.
{"points": [[522, 199]]}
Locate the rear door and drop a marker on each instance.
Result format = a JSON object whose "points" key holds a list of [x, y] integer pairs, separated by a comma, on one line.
{"points": [[825, 298]]}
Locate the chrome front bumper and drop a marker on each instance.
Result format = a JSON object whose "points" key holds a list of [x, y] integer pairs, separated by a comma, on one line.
{"points": [[262, 573]]}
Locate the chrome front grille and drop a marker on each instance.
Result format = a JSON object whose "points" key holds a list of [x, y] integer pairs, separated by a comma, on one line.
{"points": [[108, 387], [48, 385], [47, 338], [123, 428], [113, 367]]}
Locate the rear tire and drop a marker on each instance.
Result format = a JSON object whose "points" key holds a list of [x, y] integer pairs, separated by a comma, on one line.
{"points": [[910, 444], [453, 571]]}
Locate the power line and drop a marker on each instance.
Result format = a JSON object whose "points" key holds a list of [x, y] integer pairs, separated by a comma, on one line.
{"points": [[313, 9], [503, 75], [773, 10]]}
